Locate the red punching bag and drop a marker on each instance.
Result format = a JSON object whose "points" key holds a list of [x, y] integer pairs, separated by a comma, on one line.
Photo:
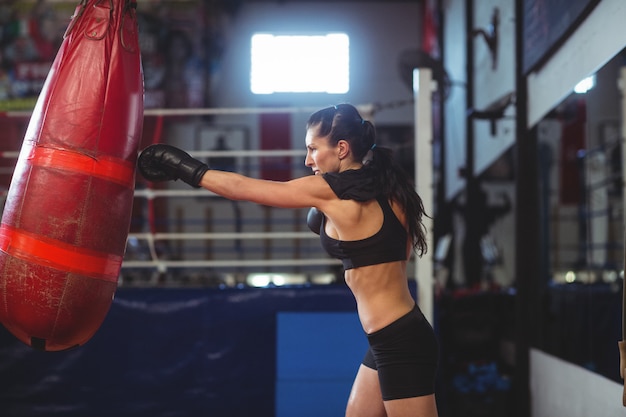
{"points": [[67, 214]]}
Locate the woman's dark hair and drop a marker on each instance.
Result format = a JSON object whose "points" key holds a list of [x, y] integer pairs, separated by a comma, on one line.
{"points": [[343, 122]]}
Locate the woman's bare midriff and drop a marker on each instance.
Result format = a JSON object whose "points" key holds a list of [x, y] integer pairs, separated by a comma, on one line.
{"points": [[381, 292]]}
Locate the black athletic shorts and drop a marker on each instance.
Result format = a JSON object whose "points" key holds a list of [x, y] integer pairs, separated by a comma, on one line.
{"points": [[405, 353]]}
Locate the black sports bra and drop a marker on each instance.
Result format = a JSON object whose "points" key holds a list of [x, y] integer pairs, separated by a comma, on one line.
{"points": [[386, 245]]}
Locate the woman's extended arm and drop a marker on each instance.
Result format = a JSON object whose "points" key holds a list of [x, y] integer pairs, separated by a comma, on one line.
{"points": [[163, 162], [309, 191]]}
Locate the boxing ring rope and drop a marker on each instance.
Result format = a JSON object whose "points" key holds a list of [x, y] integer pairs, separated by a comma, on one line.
{"points": [[366, 110], [9, 154]]}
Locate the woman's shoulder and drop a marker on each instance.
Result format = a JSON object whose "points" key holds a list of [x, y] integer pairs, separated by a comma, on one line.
{"points": [[354, 184], [312, 188]]}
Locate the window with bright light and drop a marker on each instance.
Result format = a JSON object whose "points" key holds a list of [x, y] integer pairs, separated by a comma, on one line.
{"points": [[300, 64]]}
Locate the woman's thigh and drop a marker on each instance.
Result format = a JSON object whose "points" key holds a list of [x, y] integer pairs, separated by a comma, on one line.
{"points": [[366, 399], [424, 406]]}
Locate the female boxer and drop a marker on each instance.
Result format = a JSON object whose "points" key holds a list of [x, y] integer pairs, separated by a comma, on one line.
{"points": [[369, 216]]}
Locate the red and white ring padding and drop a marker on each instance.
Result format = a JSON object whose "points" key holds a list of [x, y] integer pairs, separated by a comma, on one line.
{"points": [[67, 214]]}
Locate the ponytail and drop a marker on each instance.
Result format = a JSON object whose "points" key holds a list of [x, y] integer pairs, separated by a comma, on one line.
{"points": [[395, 184]]}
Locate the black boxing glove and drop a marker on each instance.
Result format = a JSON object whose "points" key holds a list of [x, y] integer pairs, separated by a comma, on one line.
{"points": [[162, 162], [314, 220]]}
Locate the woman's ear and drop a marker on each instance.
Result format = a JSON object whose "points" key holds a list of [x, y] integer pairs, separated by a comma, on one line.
{"points": [[343, 149]]}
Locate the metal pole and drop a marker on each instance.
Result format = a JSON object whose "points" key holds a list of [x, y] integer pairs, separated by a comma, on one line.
{"points": [[423, 87], [622, 343], [526, 233]]}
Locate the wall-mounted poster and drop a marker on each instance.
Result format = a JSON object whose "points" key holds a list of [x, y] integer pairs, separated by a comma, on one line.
{"points": [[30, 35], [176, 71], [181, 46]]}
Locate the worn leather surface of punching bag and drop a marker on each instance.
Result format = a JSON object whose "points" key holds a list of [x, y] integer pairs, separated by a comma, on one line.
{"points": [[67, 214]]}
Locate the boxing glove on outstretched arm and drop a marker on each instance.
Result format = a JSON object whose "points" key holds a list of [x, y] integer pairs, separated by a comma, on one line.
{"points": [[162, 162]]}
